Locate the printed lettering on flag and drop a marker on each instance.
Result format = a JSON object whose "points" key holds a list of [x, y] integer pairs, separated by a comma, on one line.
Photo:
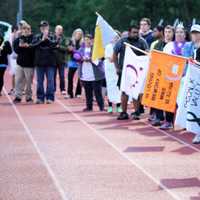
{"points": [[163, 81], [188, 112]]}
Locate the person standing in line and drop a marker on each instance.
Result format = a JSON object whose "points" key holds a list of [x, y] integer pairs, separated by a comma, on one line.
{"points": [[12, 60], [145, 30], [156, 115], [74, 45], [25, 62], [91, 74], [111, 76], [118, 58], [45, 62], [60, 51], [5, 50], [176, 48], [192, 50]]}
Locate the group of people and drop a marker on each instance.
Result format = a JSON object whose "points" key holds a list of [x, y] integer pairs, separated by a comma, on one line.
{"points": [[52, 53]]}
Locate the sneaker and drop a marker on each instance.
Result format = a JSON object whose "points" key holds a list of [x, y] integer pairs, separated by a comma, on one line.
{"points": [[38, 101], [135, 116], [110, 109], [196, 139], [49, 101], [78, 96], [87, 110], [123, 116], [63, 92], [101, 109], [156, 122], [68, 96], [119, 109], [29, 100], [152, 117], [12, 92], [166, 126], [17, 100]]}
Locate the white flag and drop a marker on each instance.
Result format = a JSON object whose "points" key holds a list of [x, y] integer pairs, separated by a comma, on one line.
{"points": [[188, 112], [134, 73]]}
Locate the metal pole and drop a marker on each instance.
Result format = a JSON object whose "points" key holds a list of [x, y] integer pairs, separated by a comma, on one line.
{"points": [[20, 11]]}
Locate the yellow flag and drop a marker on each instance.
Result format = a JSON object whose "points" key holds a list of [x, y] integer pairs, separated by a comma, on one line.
{"points": [[98, 49]]}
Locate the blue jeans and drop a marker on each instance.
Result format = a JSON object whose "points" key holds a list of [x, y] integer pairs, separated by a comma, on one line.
{"points": [[49, 73]]}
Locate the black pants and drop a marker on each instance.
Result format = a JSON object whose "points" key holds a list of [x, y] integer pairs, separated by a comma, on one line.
{"points": [[169, 117], [61, 71], [2, 72], [159, 113], [93, 87], [110, 104], [71, 74]]}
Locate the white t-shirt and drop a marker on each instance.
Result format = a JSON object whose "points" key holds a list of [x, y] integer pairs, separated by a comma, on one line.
{"points": [[87, 68]]}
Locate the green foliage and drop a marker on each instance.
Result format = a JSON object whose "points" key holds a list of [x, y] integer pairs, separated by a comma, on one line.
{"points": [[81, 13]]}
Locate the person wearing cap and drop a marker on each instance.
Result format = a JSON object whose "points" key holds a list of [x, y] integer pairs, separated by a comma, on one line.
{"points": [[5, 50], [45, 62], [192, 49], [60, 51], [25, 64]]}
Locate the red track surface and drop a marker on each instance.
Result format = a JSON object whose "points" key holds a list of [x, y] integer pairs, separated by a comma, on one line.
{"points": [[52, 152]]}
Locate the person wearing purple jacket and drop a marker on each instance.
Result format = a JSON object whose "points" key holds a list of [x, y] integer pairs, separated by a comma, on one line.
{"points": [[91, 74]]}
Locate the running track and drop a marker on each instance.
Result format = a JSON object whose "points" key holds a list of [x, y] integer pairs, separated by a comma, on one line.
{"points": [[57, 152]]}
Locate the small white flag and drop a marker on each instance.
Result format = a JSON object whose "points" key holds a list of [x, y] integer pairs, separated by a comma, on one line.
{"points": [[134, 73]]}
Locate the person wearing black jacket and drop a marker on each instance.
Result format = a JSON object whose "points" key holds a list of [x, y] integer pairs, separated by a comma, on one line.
{"points": [[25, 64], [45, 62], [5, 50], [61, 51]]}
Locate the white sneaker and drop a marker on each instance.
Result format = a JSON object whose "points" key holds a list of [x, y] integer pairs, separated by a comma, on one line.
{"points": [[63, 92], [166, 126], [196, 139], [78, 96], [67, 96], [49, 101]]}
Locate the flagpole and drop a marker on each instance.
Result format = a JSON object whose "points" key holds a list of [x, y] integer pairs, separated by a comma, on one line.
{"points": [[142, 51], [97, 14]]}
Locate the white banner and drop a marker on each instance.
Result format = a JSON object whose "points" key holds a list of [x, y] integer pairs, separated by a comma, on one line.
{"points": [[188, 112], [134, 73]]}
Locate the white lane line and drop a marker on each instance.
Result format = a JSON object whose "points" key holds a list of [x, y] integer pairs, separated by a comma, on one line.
{"points": [[173, 195], [41, 155]]}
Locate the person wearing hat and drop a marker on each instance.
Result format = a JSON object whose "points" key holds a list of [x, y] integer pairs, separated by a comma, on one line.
{"points": [[192, 49], [5, 50], [45, 62]]}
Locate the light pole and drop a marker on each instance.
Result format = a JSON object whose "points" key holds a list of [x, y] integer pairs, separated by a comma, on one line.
{"points": [[20, 11]]}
